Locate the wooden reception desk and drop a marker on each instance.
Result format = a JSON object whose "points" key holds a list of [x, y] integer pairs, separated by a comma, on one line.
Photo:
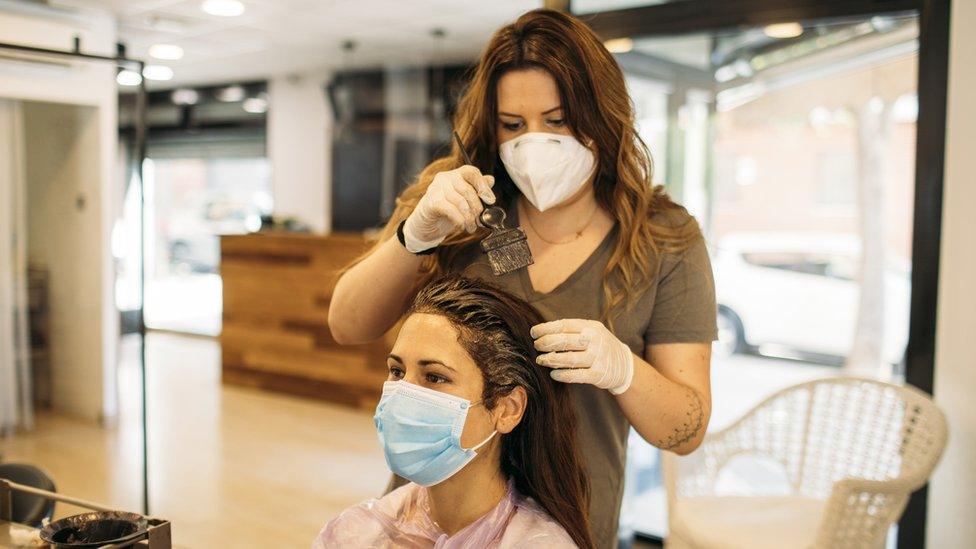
{"points": [[277, 288]]}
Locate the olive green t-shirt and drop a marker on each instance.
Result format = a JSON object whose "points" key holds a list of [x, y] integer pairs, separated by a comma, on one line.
{"points": [[678, 307]]}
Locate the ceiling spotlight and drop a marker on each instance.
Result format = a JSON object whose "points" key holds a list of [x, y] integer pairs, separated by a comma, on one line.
{"points": [[166, 52], [256, 105], [157, 72], [184, 96], [619, 45], [725, 73], [128, 77], [230, 94], [743, 68], [783, 30], [882, 23], [167, 24], [223, 8]]}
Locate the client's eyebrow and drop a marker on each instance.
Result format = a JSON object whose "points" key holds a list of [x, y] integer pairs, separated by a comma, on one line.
{"points": [[427, 362], [423, 362]]}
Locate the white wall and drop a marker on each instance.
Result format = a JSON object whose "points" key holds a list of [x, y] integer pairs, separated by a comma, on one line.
{"points": [[299, 148], [952, 494], [62, 179], [90, 352]]}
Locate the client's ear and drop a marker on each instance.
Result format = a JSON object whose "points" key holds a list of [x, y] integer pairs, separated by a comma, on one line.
{"points": [[509, 409]]}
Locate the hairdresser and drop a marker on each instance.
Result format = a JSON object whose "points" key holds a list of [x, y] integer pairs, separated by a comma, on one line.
{"points": [[620, 271]]}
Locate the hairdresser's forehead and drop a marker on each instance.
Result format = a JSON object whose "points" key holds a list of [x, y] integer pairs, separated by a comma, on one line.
{"points": [[432, 337], [527, 92]]}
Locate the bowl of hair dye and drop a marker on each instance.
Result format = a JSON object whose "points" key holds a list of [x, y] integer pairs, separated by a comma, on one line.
{"points": [[94, 529]]}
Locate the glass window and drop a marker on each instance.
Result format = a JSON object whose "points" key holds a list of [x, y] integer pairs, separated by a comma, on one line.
{"points": [[838, 178], [796, 154]]}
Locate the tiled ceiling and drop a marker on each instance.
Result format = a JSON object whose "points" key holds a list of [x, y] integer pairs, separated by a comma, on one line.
{"points": [[287, 36]]}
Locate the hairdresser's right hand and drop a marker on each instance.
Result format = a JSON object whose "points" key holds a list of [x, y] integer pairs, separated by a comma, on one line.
{"points": [[450, 204]]}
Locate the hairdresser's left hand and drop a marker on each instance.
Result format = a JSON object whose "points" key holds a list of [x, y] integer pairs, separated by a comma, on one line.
{"points": [[584, 351]]}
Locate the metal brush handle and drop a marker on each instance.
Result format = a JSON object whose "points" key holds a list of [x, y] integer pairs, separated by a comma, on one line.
{"points": [[491, 216]]}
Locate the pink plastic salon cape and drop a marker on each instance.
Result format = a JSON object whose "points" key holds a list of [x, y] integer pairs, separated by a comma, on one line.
{"points": [[401, 519]]}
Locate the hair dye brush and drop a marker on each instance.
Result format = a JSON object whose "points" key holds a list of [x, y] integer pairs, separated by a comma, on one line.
{"points": [[507, 249]]}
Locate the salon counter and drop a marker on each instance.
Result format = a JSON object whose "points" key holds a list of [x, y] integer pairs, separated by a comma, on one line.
{"points": [[277, 288]]}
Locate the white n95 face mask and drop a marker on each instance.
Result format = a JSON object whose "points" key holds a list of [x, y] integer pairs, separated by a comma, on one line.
{"points": [[547, 167]]}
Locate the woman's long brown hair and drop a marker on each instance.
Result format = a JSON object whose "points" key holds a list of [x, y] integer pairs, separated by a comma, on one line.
{"points": [[596, 106], [541, 454]]}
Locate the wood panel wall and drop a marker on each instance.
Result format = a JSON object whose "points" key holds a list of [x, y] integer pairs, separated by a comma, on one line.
{"points": [[277, 288]]}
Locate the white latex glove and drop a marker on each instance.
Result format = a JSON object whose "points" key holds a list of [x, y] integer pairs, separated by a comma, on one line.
{"points": [[584, 351], [450, 204]]}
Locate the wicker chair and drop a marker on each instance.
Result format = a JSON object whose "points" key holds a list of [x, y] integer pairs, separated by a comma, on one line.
{"points": [[851, 449]]}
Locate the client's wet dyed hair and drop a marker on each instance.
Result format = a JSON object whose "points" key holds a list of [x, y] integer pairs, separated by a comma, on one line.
{"points": [[541, 454]]}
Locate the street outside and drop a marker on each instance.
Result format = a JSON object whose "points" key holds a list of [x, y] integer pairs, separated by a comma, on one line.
{"points": [[185, 303]]}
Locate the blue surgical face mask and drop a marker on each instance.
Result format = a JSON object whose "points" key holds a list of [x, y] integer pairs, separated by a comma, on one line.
{"points": [[420, 432]]}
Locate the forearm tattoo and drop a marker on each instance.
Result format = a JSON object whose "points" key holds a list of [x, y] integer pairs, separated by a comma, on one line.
{"points": [[690, 425]]}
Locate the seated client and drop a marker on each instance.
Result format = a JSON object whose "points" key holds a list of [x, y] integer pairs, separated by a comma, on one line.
{"points": [[486, 438]]}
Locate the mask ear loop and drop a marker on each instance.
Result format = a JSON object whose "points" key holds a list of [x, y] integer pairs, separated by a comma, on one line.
{"points": [[483, 442]]}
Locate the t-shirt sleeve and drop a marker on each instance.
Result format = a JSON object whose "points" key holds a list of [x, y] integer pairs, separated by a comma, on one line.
{"points": [[684, 305]]}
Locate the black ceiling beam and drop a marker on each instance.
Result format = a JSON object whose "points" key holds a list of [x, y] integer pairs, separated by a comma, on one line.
{"points": [[207, 93], [76, 53], [688, 16]]}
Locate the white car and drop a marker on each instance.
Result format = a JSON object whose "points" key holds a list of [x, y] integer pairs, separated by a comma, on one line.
{"points": [[799, 291]]}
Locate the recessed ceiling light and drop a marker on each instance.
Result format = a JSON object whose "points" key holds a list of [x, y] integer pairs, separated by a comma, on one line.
{"points": [[783, 30], [185, 97], [167, 52], [128, 77], [619, 45], [223, 8], [167, 24], [231, 94], [157, 72], [256, 105], [725, 73], [743, 68]]}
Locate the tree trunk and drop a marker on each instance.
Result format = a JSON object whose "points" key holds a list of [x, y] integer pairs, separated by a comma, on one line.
{"points": [[867, 352]]}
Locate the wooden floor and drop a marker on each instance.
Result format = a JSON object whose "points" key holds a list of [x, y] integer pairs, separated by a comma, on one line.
{"points": [[229, 467]]}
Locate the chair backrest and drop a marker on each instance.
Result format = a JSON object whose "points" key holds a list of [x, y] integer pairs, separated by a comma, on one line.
{"points": [[834, 428], [28, 508]]}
